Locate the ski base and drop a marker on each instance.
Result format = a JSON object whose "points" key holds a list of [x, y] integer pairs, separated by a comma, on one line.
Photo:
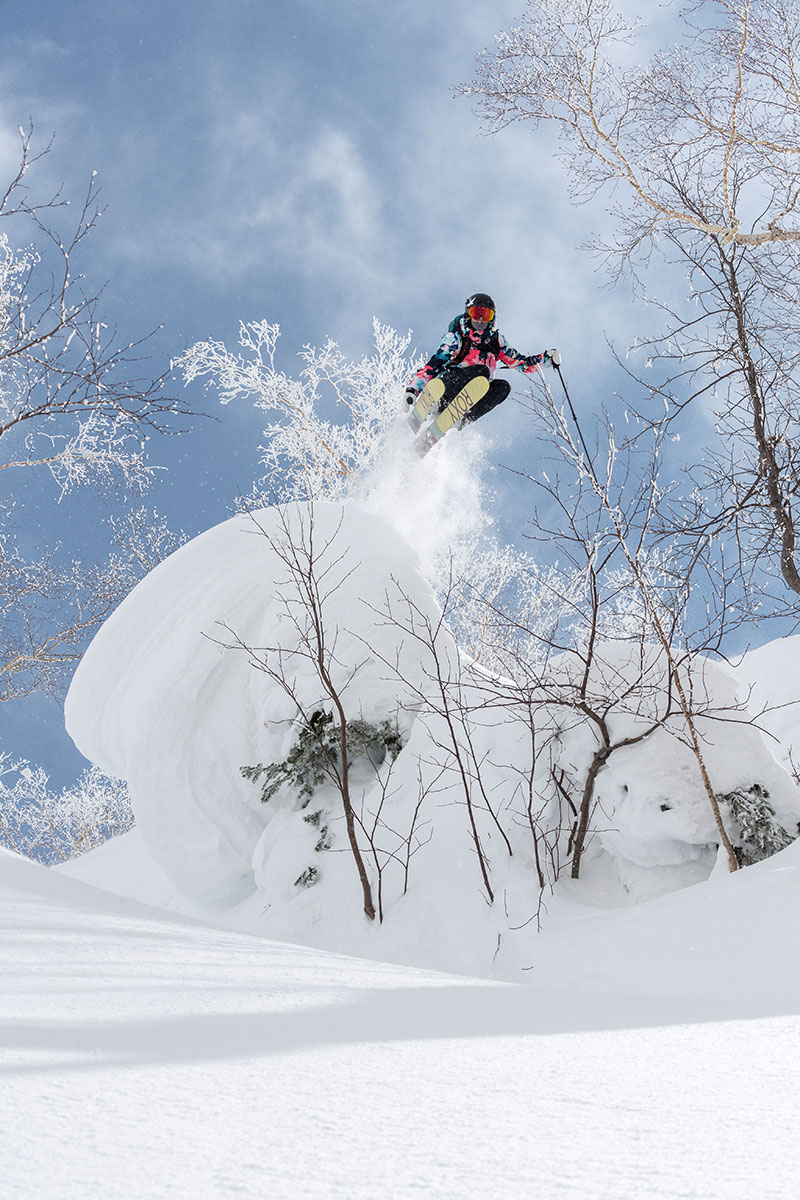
{"points": [[427, 401], [458, 407]]}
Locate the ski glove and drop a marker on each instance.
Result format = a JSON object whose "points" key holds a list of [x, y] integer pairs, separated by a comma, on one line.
{"points": [[553, 358], [411, 397]]}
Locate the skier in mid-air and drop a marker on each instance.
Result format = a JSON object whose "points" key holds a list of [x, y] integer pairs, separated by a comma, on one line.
{"points": [[474, 346]]}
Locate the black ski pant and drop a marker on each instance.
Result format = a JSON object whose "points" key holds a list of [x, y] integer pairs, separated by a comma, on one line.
{"points": [[457, 377]]}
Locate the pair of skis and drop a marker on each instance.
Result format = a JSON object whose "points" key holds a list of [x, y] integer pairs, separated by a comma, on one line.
{"points": [[429, 399]]}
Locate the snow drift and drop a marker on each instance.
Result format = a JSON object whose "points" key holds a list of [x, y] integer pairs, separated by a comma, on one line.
{"points": [[215, 662], [159, 700]]}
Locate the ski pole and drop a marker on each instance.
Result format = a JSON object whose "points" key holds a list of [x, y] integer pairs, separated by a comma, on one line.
{"points": [[574, 418]]}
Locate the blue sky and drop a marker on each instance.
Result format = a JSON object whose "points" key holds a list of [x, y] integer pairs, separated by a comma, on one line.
{"points": [[305, 162]]}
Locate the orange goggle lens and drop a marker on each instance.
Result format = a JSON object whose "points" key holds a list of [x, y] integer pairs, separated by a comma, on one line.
{"points": [[476, 312]]}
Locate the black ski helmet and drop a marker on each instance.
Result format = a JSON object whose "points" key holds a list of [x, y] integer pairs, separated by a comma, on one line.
{"points": [[481, 298]]}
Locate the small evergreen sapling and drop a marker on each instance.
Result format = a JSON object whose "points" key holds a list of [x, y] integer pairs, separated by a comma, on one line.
{"points": [[307, 765], [324, 841], [315, 759], [308, 878], [760, 834]]}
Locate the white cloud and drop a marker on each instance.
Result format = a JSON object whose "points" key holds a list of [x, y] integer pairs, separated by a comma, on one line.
{"points": [[316, 176], [327, 207]]}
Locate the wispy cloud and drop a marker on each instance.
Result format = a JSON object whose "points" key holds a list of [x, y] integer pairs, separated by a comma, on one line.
{"points": [[336, 164], [327, 207]]}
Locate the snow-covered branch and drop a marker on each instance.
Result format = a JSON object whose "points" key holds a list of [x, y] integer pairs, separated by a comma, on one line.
{"points": [[682, 133], [72, 407], [327, 424], [54, 826]]}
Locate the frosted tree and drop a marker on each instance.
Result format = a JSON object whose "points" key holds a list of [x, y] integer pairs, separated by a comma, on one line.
{"points": [[72, 401], [698, 150], [53, 826], [74, 407], [326, 426], [76, 411]]}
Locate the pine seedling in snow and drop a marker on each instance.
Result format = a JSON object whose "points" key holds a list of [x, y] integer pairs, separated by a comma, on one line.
{"points": [[315, 819], [308, 878], [306, 766], [760, 833], [315, 760], [314, 757]]}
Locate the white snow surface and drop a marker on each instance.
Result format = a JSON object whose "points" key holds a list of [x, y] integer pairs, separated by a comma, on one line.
{"points": [[770, 675], [159, 702], [654, 1054], [151, 1046]]}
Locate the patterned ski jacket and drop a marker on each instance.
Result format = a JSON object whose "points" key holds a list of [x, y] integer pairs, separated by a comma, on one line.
{"points": [[463, 346]]}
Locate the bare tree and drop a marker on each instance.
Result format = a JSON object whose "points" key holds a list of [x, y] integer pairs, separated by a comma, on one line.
{"points": [[314, 572], [74, 405], [55, 826], [440, 693], [699, 148], [666, 599], [51, 605], [472, 717], [388, 845]]}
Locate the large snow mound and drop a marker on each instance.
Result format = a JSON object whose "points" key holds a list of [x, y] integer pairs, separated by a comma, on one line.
{"points": [[158, 700], [227, 649], [771, 678]]}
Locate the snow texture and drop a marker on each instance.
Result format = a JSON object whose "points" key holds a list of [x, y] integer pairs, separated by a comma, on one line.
{"points": [[170, 697], [162, 704], [643, 1049], [654, 1053]]}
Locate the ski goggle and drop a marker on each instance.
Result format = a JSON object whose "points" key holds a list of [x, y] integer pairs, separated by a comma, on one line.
{"points": [[477, 312]]}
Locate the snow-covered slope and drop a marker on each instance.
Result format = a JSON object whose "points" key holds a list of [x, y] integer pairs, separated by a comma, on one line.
{"points": [[654, 1054], [724, 947]]}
